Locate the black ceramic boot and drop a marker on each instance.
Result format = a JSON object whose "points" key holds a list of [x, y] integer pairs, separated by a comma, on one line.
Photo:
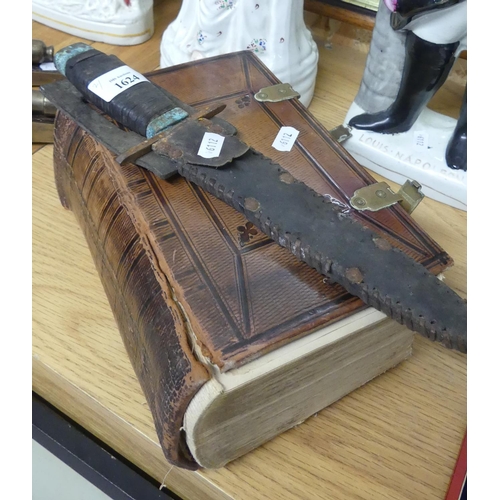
{"points": [[456, 152], [405, 11], [425, 70]]}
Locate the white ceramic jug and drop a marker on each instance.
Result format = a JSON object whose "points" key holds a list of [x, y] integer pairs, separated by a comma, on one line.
{"points": [[273, 29]]}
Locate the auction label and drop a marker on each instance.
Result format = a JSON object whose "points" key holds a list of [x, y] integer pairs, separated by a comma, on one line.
{"points": [[114, 82], [285, 139], [211, 145]]}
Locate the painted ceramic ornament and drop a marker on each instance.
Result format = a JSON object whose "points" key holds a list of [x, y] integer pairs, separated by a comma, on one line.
{"points": [[273, 29], [414, 46], [117, 22]]}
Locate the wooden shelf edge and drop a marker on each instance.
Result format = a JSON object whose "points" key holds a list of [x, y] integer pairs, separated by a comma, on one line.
{"points": [[357, 16]]}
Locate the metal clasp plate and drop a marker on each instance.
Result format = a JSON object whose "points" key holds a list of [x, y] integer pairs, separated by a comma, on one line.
{"points": [[379, 195], [276, 93], [341, 133]]}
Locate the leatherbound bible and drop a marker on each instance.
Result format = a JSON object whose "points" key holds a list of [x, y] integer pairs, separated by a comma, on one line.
{"points": [[232, 338]]}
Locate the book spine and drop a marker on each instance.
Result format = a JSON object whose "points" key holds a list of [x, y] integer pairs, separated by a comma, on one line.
{"points": [[151, 324]]}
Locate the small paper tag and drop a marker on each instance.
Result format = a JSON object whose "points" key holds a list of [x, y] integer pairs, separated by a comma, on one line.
{"points": [[115, 82], [211, 145], [48, 66], [421, 139], [285, 139]]}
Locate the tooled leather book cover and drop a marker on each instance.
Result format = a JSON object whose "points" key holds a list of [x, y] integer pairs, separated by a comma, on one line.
{"points": [[179, 266]]}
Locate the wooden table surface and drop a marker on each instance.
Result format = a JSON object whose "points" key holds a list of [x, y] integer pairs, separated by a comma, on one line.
{"points": [[395, 438]]}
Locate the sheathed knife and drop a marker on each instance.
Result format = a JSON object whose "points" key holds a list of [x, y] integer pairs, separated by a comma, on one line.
{"points": [[168, 140]]}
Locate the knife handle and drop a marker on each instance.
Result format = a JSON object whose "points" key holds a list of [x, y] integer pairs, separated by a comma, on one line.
{"points": [[119, 91]]}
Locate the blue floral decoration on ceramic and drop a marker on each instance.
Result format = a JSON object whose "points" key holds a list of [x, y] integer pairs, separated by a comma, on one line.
{"points": [[201, 37], [257, 45], [225, 4]]}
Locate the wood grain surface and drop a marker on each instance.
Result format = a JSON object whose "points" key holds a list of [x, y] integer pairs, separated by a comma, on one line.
{"points": [[397, 437]]}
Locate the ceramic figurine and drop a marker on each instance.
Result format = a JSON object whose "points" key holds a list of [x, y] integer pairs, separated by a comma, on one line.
{"points": [[273, 29], [414, 46], [117, 22]]}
